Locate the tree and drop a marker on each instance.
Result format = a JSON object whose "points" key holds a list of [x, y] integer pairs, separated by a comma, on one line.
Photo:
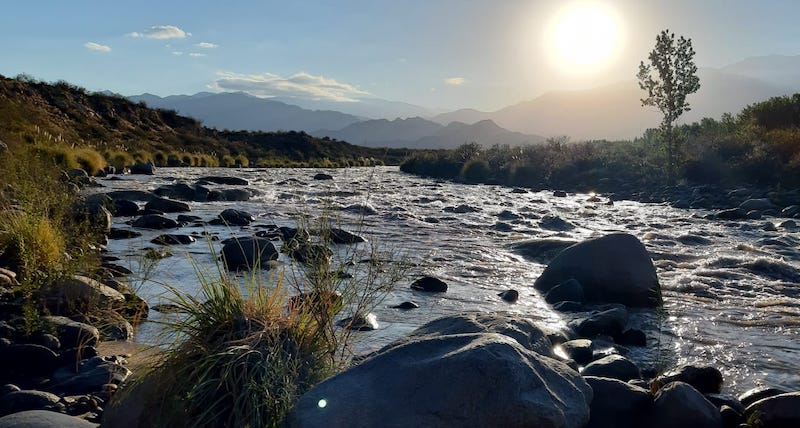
{"points": [[669, 77]]}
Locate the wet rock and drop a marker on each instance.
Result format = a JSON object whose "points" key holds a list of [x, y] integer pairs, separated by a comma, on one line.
{"points": [[125, 208], [617, 404], [731, 214], [131, 195], [115, 327], [461, 209], [167, 205], [248, 253], [791, 211], [311, 254], [614, 367], [90, 376], [236, 217], [43, 419], [560, 194], [556, 223], [578, 350], [679, 405], [79, 291], [123, 234], [155, 221], [615, 268], [26, 360], [143, 168], [231, 181], [730, 417], [541, 250], [436, 378], [778, 411], [429, 284], [503, 227], [341, 236], [633, 337], [20, 401], [761, 204], [71, 333], [569, 290], [240, 195], [720, 400], [759, 393], [322, 176], [183, 192], [706, 379], [788, 224], [611, 322], [568, 306], [360, 322], [510, 296], [694, 240], [406, 306], [173, 239], [508, 215], [360, 209]]}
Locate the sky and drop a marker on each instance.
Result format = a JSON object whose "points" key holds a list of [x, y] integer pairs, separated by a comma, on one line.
{"points": [[444, 54]]}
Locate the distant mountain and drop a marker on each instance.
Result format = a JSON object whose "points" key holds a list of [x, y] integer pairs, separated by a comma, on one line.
{"points": [[417, 132], [371, 108], [240, 111], [779, 70]]}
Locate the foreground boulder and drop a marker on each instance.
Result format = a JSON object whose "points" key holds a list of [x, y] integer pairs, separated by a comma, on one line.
{"points": [[617, 404], [707, 380], [779, 411], [43, 419], [77, 292], [482, 379], [679, 405], [143, 168], [611, 269], [72, 334], [248, 253], [19, 401]]}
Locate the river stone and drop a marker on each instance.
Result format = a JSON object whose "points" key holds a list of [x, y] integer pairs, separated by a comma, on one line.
{"points": [[720, 400], [167, 205], [551, 222], [360, 322], [731, 214], [679, 405], [248, 253], [759, 393], [617, 404], [154, 221], [20, 401], [569, 290], [510, 296], [523, 330], [614, 367], [615, 268], [143, 168], [91, 375], [231, 181], [69, 293], [578, 350], [405, 306], [429, 284], [173, 239], [183, 192], [477, 380], [610, 321], [761, 204], [43, 419], [779, 411], [72, 334], [341, 236], [125, 208], [322, 176], [706, 379], [26, 360], [236, 217]]}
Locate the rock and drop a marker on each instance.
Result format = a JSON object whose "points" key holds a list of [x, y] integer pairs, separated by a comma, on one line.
{"points": [[464, 380], [49, 341], [610, 321], [762, 204], [20, 401], [678, 405], [143, 168], [8, 278], [614, 367], [615, 268], [173, 239], [707, 380], [43, 419], [524, 331], [26, 360], [311, 254], [720, 400], [131, 195], [167, 205], [360, 322], [322, 176], [125, 208], [3, 147], [694, 240], [788, 224], [790, 211], [72, 334], [6, 388], [578, 350], [510, 296], [633, 337], [231, 181], [115, 327], [154, 221], [617, 404], [429, 284], [508, 215], [730, 417], [551, 222], [541, 250], [568, 306], [341, 236], [731, 214], [461, 209], [405, 306], [778, 411], [90, 377], [185, 218], [236, 217], [759, 393], [360, 209], [248, 253], [560, 194], [78, 292], [569, 290], [183, 192]]}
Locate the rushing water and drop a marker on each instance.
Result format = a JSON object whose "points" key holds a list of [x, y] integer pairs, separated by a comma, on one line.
{"points": [[731, 289]]}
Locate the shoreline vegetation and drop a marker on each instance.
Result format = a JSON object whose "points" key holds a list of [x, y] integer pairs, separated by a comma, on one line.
{"points": [[248, 359]]}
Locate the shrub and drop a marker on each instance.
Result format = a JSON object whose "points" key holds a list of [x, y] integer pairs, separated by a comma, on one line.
{"points": [[476, 171], [90, 160], [119, 159]]}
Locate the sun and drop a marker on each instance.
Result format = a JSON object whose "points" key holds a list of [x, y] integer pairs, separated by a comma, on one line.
{"points": [[584, 37]]}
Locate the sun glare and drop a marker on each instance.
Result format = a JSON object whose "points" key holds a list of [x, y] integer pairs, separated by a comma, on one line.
{"points": [[584, 37]]}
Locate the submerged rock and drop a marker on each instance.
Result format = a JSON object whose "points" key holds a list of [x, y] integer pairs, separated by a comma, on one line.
{"points": [[236, 217], [248, 253], [406, 306], [231, 181], [542, 250], [154, 221], [166, 205], [509, 296], [429, 284]]}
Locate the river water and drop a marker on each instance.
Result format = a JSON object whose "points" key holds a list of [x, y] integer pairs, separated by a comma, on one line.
{"points": [[731, 289]]}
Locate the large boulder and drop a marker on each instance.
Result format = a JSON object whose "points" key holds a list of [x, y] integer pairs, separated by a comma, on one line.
{"points": [[90, 376], [614, 367], [20, 401], [779, 411], [248, 253], [183, 192], [617, 404], [154, 221], [429, 284], [480, 380], [706, 379], [612, 269], [72, 334], [679, 405], [231, 181], [25, 361], [143, 168], [78, 292], [234, 217], [167, 205], [43, 419]]}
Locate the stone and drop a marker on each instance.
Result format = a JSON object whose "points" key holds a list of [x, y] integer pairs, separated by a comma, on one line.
{"points": [[679, 405], [311, 254], [510, 296], [730, 417], [482, 379], [248, 253], [231, 181], [125, 208], [578, 350], [155, 221], [167, 205], [341, 236], [72, 334], [360, 209], [143, 168], [778, 411], [131, 195], [560, 194], [43, 419], [731, 214], [115, 233], [24, 361], [615, 268], [617, 404], [79, 291], [568, 306], [614, 367], [239, 195], [556, 223], [49, 341], [761, 204], [91, 375], [759, 393], [234, 217], [115, 327], [173, 239], [360, 322], [610, 321], [633, 337], [461, 209], [569, 290], [20, 401], [720, 400], [429, 284], [542, 250], [706, 379], [6, 388], [322, 176], [406, 306]]}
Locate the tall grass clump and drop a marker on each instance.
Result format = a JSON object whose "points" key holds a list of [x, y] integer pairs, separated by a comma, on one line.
{"points": [[90, 160]]}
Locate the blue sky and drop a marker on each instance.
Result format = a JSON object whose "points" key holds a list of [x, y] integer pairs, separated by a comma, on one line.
{"points": [[436, 53]]}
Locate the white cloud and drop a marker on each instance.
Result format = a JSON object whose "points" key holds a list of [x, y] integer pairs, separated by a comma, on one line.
{"points": [[196, 54], [299, 85], [177, 53], [161, 32], [455, 81], [207, 45], [97, 47]]}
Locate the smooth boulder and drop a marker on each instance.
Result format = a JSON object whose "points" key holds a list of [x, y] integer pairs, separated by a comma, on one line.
{"points": [[43, 419], [72, 334], [234, 217], [617, 404], [167, 205], [615, 268], [20, 401], [482, 379], [231, 181], [706, 379], [679, 405], [154, 221], [779, 411], [143, 168], [248, 253], [614, 367], [429, 284]]}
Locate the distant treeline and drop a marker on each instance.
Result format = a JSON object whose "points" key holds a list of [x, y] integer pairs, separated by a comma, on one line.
{"points": [[759, 146]]}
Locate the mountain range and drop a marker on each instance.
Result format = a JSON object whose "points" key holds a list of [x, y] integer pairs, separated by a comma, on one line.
{"points": [[607, 112]]}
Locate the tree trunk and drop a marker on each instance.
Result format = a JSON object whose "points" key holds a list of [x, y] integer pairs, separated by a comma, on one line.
{"points": [[670, 157]]}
